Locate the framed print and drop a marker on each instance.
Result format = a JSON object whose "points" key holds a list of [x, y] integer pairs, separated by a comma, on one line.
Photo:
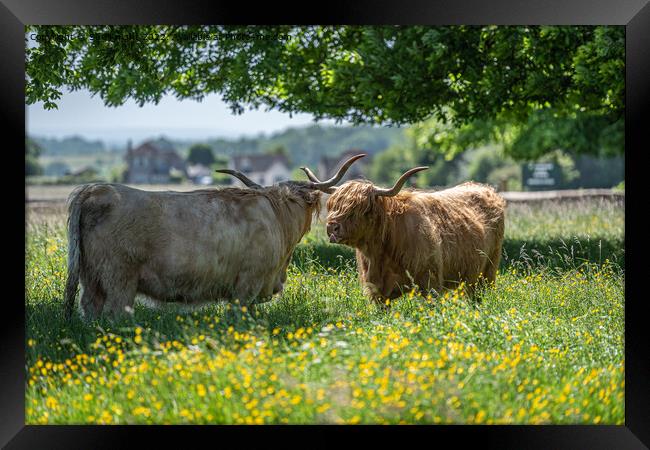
{"points": [[409, 215]]}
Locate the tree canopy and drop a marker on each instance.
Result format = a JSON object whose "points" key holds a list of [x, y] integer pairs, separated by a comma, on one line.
{"points": [[534, 88], [201, 154], [32, 152]]}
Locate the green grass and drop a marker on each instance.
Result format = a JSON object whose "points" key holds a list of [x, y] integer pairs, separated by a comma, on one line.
{"points": [[547, 234], [545, 344]]}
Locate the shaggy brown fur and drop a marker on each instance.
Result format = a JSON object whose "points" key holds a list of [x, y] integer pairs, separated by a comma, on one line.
{"points": [[433, 240], [186, 247]]}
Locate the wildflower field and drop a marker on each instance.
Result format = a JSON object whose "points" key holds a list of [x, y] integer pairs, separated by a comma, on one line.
{"points": [[544, 344]]}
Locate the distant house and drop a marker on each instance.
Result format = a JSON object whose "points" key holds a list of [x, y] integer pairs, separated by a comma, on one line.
{"points": [[328, 166], [199, 174], [152, 163], [262, 169]]}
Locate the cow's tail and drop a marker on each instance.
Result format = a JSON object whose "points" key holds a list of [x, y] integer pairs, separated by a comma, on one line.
{"points": [[75, 201]]}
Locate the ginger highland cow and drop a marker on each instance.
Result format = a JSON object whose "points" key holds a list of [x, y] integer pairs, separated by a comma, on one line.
{"points": [[407, 238]]}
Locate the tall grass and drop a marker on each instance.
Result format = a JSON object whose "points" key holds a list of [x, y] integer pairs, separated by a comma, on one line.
{"points": [[543, 234], [544, 344]]}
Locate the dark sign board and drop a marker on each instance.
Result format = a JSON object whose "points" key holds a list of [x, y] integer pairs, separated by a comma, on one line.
{"points": [[540, 176]]}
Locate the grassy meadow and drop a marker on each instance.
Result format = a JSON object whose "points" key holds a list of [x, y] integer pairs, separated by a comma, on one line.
{"points": [[544, 344]]}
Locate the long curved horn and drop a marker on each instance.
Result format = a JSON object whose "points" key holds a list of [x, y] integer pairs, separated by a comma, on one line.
{"points": [[310, 175], [398, 185], [243, 178], [328, 184]]}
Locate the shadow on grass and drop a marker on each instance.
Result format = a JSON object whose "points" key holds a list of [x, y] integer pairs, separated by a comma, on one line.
{"points": [[325, 255], [562, 254], [56, 338], [551, 253]]}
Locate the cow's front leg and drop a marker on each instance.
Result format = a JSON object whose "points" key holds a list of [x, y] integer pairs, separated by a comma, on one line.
{"points": [[391, 284], [368, 279], [372, 291], [379, 283], [368, 275]]}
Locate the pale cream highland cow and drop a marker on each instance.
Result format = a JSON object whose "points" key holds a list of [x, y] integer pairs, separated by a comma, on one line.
{"points": [[189, 247]]}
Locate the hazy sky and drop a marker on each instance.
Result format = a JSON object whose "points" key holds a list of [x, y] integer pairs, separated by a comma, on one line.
{"points": [[83, 115]]}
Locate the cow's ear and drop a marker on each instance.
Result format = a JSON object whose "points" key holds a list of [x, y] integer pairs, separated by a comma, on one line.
{"points": [[313, 197]]}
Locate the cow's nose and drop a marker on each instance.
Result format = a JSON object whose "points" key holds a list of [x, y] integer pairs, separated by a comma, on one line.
{"points": [[333, 227]]}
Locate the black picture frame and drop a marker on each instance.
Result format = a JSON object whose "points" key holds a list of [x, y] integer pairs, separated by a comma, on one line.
{"points": [[634, 14]]}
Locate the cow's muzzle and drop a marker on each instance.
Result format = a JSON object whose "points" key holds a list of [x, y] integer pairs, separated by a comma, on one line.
{"points": [[333, 231]]}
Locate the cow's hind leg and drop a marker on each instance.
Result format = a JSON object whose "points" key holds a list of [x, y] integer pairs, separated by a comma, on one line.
{"points": [[487, 276], [120, 296], [492, 265], [92, 298], [494, 258], [249, 288]]}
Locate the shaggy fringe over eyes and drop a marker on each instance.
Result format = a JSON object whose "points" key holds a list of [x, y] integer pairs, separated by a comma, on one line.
{"points": [[356, 200]]}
